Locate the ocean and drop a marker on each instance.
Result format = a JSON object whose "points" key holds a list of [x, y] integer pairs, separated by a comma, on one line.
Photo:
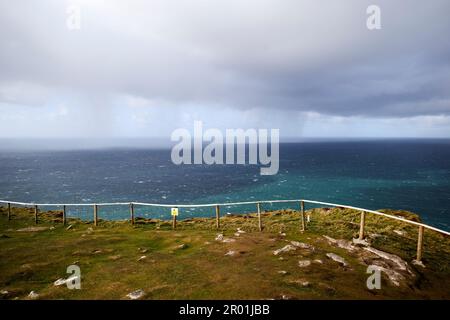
{"points": [[411, 175]]}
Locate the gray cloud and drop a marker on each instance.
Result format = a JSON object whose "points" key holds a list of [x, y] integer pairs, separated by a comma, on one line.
{"points": [[279, 56]]}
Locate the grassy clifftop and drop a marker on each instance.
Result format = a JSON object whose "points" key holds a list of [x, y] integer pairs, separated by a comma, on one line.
{"points": [[196, 261]]}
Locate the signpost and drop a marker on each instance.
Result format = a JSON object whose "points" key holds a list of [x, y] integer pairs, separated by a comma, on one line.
{"points": [[174, 213]]}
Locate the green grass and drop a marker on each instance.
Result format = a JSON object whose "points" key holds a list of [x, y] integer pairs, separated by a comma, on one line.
{"points": [[108, 257]]}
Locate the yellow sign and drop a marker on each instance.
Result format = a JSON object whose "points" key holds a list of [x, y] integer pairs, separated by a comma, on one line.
{"points": [[174, 211]]}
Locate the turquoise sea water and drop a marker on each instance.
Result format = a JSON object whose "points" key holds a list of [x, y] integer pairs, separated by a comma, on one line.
{"points": [[401, 174]]}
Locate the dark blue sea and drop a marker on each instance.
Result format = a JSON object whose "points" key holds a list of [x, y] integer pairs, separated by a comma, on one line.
{"points": [[400, 174]]}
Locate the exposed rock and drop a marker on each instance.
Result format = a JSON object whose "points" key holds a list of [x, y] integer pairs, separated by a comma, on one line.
{"points": [[32, 229], [360, 242], [283, 272], [301, 282], [227, 240], [286, 248], [181, 246], [399, 262], [394, 277], [135, 295], [142, 258], [337, 258], [33, 295], [341, 243], [302, 245], [62, 281], [59, 282], [304, 263], [400, 233]]}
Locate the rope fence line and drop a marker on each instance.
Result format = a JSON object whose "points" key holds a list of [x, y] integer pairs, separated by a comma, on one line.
{"points": [[217, 206]]}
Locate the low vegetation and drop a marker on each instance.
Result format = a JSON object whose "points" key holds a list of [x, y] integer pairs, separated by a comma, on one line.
{"points": [[197, 261]]}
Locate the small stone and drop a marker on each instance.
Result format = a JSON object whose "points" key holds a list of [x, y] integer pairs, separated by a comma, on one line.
{"points": [[219, 237], [301, 282], [181, 246], [33, 295], [302, 245], [240, 231], [142, 258], [135, 295], [283, 272], [69, 227], [286, 248], [59, 282], [418, 263], [304, 263], [318, 261], [115, 257], [375, 235], [400, 233], [231, 253], [52, 228], [227, 240], [144, 251]]}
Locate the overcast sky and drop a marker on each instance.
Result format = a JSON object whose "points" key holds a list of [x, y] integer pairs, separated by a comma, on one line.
{"points": [[144, 68]]}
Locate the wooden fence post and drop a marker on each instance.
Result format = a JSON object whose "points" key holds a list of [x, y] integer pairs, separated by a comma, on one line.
{"points": [[361, 226], [35, 214], [420, 244], [174, 222], [9, 211], [302, 215], [258, 206], [95, 215], [64, 215], [217, 217], [132, 213]]}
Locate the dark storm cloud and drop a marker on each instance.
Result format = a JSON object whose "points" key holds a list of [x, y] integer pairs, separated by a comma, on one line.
{"points": [[279, 55]]}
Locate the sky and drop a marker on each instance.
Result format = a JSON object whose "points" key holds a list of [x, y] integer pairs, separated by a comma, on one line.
{"points": [[144, 68]]}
